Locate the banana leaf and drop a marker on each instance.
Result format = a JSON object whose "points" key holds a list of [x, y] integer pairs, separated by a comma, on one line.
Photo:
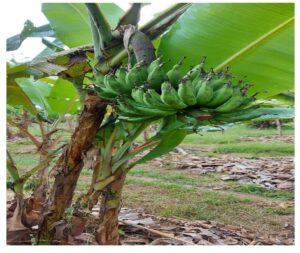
{"points": [[255, 39]]}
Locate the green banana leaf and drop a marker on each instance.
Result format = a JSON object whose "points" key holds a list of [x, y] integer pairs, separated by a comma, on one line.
{"points": [[71, 22], [255, 39], [49, 96], [42, 56], [29, 30], [287, 98], [168, 142], [16, 96], [37, 91], [64, 97], [277, 113]]}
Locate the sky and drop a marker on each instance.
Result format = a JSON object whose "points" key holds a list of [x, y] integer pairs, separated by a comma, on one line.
{"points": [[32, 46]]}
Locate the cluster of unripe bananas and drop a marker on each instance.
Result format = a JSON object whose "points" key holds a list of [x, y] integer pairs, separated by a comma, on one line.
{"points": [[144, 93]]}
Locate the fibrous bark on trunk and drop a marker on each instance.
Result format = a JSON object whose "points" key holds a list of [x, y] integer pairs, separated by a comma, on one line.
{"points": [[35, 204], [69, 165], [108, 233]]}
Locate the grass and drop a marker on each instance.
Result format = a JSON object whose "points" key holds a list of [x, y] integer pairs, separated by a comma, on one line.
{"points": [[167, 176], [175, 200], [232, 134], [257, 148], [169, 192], [280, 210], [229, 142], [261, 191]]}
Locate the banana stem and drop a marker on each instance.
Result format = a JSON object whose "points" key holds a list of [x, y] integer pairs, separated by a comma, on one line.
{"points": [[106, 155], [121, 151], [52, 45], [42, 164], [152, 29], [133, 153], [100, 28], [14, 173], [166, 14]]}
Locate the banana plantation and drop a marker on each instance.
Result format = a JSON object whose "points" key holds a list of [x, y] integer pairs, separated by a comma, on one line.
{"points": [[172, 130]]}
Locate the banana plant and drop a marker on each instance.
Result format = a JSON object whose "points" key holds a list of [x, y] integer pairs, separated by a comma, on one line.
{"points": [[132, 114], [122, 102]]}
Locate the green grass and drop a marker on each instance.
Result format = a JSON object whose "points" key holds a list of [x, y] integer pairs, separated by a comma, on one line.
{"points": [[232, 134], [261, 191], [166, 176], [280, 210], [170, 192], [229, 142], [173, 200], [257, 148]]}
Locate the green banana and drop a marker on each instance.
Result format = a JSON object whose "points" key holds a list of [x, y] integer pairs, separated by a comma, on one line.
{"points": [[247, 101], [98, 78], [220, 96], [153, 65], [99, 84], [137, 119], [186, 93], [147, 111], [153, 100], [121, 77], [125, 109], [170, 97], [112, 84], [204, 92], [105, 93], [232, 103], [174, 74], [198, 70], [196, 81], [155, 96], [218, 80], [136, 76], [137, 94], [217, 83], [156, 77]]}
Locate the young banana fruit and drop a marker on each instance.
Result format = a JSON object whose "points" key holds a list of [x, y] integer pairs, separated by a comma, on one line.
{"points": [[137, 94], [144, 110], [156, 77], [232, 103], [154, 64], [152, 99], [198, 70], [137, 76], [113, 85], [174, 74], [220, 96], [204, 92], [149, 93], [104, 93], [120, 76], [170, 97], [186, 93]]}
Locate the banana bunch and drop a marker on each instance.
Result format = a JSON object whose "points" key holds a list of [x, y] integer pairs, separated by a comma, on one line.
{"points": [[112, 85], [148, 93]]}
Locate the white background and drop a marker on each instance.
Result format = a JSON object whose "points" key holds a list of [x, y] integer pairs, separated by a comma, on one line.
{"points": [[32, 46]]}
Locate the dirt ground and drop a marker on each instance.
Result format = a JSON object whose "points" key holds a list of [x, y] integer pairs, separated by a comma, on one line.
{"points": [[234, 188]]}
